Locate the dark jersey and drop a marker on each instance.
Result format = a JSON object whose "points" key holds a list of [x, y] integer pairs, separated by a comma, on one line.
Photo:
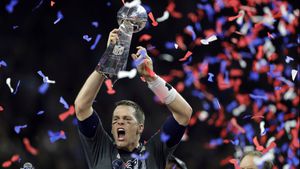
{"points": [[101, 153]]}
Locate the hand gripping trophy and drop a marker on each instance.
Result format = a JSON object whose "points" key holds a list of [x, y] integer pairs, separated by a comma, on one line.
{"points": [[131, 20]]}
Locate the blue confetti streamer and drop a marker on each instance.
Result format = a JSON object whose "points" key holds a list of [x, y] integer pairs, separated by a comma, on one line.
{"points": [[95, 24], [18, 128], [40, 3], [59, 17], [216, 104], [17, 87], [87, 38], [62, 101], [142, 157], [164, 137], [231, 106], [210, 78], [10, 7], [3, 63], [54, 136], [96, 42], [40, 112], [43, 88]]}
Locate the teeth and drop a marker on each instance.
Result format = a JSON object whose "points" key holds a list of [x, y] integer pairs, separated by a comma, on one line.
{"points": [[120, 129]]}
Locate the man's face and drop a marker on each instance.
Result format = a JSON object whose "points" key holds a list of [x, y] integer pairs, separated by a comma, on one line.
{"points": [[248, 163], [125, 127]]}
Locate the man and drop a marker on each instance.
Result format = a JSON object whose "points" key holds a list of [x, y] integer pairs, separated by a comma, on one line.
{"points": [[175, 163], [125, 151], [247, 161]]}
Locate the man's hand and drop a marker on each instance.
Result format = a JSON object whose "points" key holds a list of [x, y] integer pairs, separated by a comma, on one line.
{"points": [[144, 64], [113, 37]]}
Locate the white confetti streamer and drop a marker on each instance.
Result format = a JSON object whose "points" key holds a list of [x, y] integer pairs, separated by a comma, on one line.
{"points": [[8, 81], [208, 40], [294, 74], [164, 17], [130, 74]]}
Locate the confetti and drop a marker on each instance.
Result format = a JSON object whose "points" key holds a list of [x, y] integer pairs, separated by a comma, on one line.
{"points": [[95, 24], [294, 74], [65, 115], [52, 3], [40, 112], [258, 97], [210, 77], [43, 88], [209, 40], [17, 87], [10, 7], [45, 78], [28, 147], [130, 74], [288, 59], [164, 137], [8, 81], [54, 136], [62, 101], [87, 38], [1, 109], [40, 3], [96, 42], [18, 128], [235, 163], [140, 157], [154, 23], [187, 55], [132, 3], [190, 30], [262, 128], [165, 16], [145, 37], [216, 104], [257, 145], [59, 17], [3, 63], [109, 86]]}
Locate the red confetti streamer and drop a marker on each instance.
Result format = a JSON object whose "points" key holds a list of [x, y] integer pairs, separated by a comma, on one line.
{"points": [[235, 124], [15, 158], [270, 36], [171, 8], [180, 86], [145, 37], [65, 115], [28, 147], [235, 163], [180, 42], [260, 52], [272, 145], [52, 3], [6, 164], [154, 23], [1, 109], [187, 55], [257, 145], [234, 17], [295, 141], [108, 84], [151, 73]]}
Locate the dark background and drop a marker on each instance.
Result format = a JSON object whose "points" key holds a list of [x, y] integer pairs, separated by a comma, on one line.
{"points": [[61, 53]]}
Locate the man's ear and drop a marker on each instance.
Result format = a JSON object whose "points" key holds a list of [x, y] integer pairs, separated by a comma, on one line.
{"points": [[141, 128]]}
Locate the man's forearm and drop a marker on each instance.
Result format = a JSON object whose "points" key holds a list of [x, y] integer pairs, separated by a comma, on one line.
{"points": [[87, 94], [180, 109]]}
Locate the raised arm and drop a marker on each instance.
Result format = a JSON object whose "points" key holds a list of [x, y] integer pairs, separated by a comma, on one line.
{"points": [[180, 109], [90, 89]]}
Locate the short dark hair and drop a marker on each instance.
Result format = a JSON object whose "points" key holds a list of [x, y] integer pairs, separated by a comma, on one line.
{"points": [[139, 114], [267, 164]]}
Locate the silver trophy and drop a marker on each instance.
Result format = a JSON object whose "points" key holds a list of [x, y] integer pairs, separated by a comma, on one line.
{"points": [[131, 20]]}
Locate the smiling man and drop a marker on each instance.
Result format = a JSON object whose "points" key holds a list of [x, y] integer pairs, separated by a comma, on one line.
{"points": [[125, 151]]}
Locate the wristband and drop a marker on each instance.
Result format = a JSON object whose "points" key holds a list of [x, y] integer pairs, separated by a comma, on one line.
{"points": [[163, 90]]}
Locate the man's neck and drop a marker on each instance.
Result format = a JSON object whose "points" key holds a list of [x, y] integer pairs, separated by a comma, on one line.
{"points": [[130, 148]]}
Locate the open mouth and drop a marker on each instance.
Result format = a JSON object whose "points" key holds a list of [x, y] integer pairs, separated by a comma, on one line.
{"points": [[121, 134]]}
